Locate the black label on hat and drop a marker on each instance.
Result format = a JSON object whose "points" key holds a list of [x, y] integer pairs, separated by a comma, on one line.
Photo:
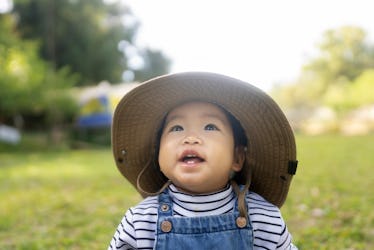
{"points": [[292, 166]]}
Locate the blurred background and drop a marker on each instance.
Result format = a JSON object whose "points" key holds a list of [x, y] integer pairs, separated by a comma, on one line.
{"points": [[65, 64]]}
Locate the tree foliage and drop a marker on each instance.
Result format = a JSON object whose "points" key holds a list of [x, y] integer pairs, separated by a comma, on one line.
{"points": [[357, 93], [154, 63], [344, 55], [27, 81], [84, 35], [24, 77], [49, 46], [339, 76]]}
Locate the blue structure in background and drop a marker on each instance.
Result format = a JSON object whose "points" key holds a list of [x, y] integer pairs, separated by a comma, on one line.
{"points": [[95, 113], [97, 104], [94, 121]]}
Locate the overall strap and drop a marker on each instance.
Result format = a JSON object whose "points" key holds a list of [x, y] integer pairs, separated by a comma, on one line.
{"points": [[165, 202]]}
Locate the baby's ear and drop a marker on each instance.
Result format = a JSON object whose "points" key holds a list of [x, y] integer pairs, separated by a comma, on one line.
{"points": [[239, 158]]}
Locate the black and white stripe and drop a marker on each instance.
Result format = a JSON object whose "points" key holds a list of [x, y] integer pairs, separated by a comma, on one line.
{"points": [[137, 229]]}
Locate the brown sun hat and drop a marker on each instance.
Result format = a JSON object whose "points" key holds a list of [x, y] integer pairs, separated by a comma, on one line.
{"points": [[271, 153]]}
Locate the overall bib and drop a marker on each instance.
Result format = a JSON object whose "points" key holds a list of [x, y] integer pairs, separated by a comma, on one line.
{"points": [[226, 231]]}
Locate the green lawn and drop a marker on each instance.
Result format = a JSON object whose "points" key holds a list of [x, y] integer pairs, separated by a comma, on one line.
{"points": [[75, 199]]}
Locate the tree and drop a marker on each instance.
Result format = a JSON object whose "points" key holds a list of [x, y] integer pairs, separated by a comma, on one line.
{"points": [[84, 35], [344, 55], [27, 82], [155, 64], [353, 95], [49, 46], [331, 78]]}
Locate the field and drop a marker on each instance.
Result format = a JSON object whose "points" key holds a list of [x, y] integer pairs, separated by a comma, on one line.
{"points": [[62, 199]]}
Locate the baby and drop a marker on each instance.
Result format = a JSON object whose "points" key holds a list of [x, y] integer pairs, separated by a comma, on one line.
{"points": [[214, 158]]}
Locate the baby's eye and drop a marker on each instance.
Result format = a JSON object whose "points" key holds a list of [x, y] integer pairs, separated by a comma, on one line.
{"points": [[211, 127], [176, 128]]}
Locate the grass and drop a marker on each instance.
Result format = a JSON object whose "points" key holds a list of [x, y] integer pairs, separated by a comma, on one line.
{"points": [[330, 204], [61, 199]]}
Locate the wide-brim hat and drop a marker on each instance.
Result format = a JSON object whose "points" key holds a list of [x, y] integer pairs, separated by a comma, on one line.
{"points": [[271, 153]]}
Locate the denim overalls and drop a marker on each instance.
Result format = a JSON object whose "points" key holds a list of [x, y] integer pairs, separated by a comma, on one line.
{"points": [[226, 231]]}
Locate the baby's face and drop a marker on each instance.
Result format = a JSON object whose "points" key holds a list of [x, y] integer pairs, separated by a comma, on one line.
{"points": [[197, 148]]}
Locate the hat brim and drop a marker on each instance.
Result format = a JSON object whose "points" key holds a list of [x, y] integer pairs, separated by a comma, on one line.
{"points": [[139, 115]]}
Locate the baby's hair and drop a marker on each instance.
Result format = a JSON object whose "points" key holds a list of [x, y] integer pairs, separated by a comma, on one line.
{"points": [[240, 139], [243, 177]]}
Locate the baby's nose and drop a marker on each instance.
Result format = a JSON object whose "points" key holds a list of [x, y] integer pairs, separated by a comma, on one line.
{"points": [[191, 140]]}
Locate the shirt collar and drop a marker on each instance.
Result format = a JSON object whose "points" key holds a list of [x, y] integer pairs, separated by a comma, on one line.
{"points": [[203, 202]]}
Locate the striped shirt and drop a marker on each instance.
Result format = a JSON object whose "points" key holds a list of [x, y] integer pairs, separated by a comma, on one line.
{"points": [[137, 229]]}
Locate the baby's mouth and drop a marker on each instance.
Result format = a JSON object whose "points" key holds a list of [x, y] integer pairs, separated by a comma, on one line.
{"points": [[191, 157]]}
